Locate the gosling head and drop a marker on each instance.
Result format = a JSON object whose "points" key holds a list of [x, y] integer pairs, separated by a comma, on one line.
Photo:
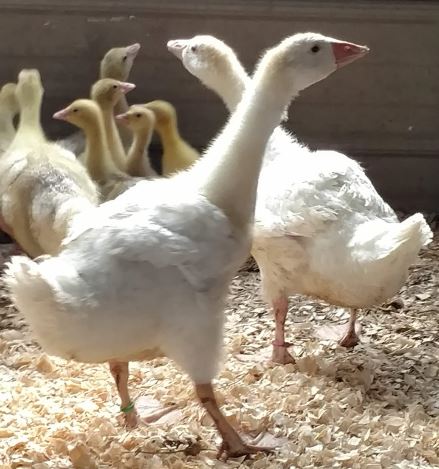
{"points": [[82, 113], [117, 62], [306, 58], [137, 118], [164, 112], [107, 91], [29, 87]]}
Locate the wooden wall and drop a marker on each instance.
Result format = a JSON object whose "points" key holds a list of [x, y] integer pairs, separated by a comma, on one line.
{"points": [[384, 109]]}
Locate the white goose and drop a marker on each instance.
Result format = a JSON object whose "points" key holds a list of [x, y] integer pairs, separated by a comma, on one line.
{"points": [[147, 275], [321, 229]]}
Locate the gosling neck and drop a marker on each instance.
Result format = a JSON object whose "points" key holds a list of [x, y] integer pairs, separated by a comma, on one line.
{"points": [[7, 128], [121, 107], [169, 134], [97, 153], [138, 164], [114, 142]]}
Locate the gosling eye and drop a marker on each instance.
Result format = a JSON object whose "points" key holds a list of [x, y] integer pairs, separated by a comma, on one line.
{"points": [[124, 58], [75, 110], [114, 87], [315, 49], [138, 115], [194, 48]]}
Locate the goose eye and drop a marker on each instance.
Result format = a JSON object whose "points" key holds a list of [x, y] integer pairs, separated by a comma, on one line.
{"points": [[194, 48], [315, 49]]}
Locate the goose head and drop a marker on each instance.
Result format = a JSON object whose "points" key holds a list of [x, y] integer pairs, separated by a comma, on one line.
{"points": [[137, 118], [107, 91], [307, 58], [29, 88], [117, 62], [82, 113], [206, 57]]}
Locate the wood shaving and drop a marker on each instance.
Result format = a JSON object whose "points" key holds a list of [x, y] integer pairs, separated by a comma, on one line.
{"points": [[373, 407]]}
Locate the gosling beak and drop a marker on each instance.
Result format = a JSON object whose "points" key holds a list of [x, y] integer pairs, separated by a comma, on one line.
{"points": [[347, 52], [61, 115], [133, 50], [122, 118], [177, 46], [126, 87]]}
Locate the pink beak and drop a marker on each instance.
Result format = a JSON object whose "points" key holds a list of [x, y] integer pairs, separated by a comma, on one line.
{"points": [[61, 115], [123, 118], [347, 52], [133, 49], [126, 87], [177, 46]]}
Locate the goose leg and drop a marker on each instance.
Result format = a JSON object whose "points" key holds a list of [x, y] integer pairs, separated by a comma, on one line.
{"points": [[280, 353], [350, 338], [232, 444], [120, 373]]}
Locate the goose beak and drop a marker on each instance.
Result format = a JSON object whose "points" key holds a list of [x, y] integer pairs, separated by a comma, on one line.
{"points": [[347, 52], [133, 50], [61, 115], [126, 87], [177, 46], [122, 118]]}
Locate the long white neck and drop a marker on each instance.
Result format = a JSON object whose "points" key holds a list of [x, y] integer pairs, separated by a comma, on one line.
{"points": [[230, 83], [229, 171]]}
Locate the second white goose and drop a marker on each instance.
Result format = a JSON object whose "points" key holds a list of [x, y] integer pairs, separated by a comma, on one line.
{"points": [[321, 228]]}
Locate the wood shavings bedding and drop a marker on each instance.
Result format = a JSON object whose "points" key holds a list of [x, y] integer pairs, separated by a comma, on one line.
{"points": [[376, 406]]}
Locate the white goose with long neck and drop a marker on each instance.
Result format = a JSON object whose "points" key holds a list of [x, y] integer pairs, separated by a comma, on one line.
{"points": [[230, 182], [164, 253], [321, 228]]}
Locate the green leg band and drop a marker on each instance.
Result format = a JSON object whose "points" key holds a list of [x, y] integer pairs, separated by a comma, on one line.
{"points": [[128, 408]]}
